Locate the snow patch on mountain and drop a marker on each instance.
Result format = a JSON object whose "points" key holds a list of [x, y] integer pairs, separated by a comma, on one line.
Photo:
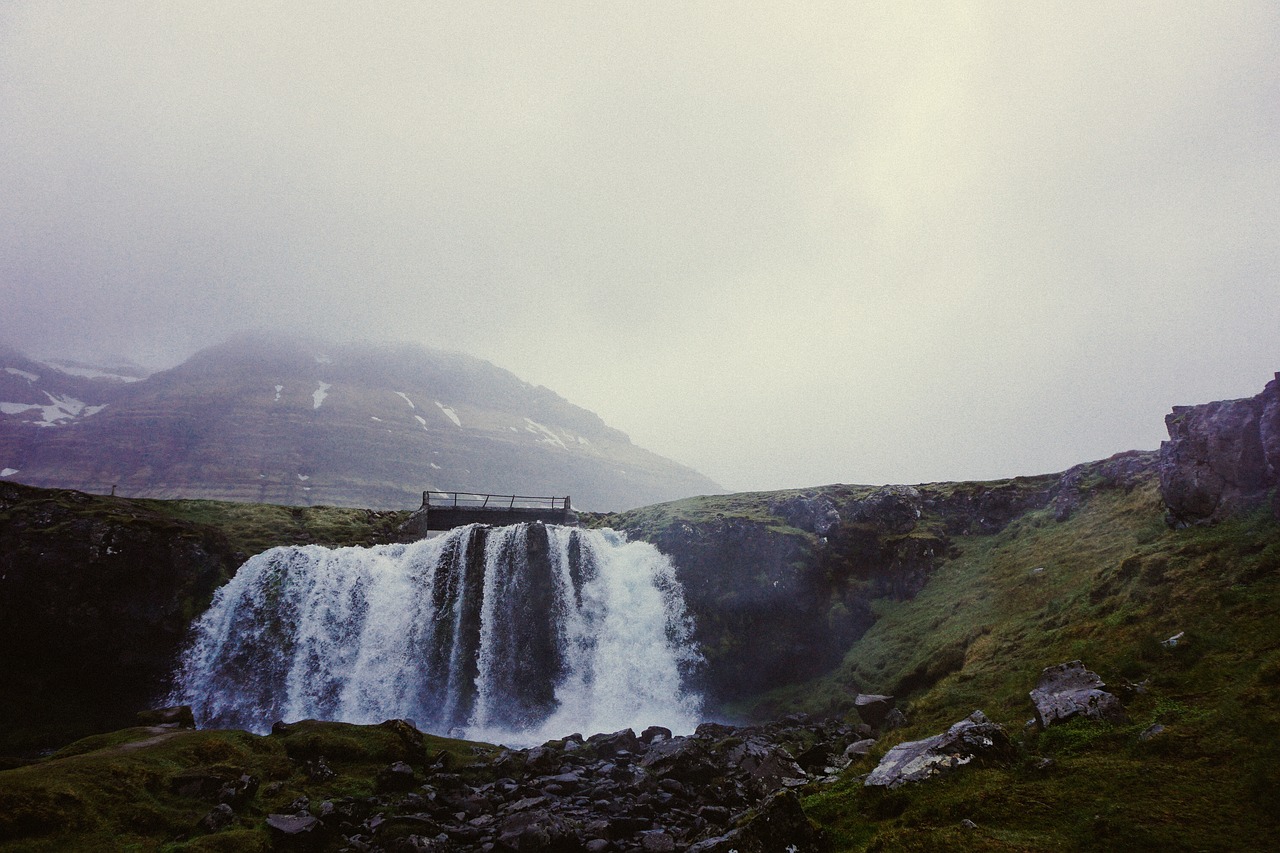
{"points": [[279, 388], [320, 393], [59, 410], [449, 413], [549, 437], [30, 377], [406, 399], [8, 472]]}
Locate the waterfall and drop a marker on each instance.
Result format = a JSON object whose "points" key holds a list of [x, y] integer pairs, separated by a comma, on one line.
{"points": [[511, 634]]}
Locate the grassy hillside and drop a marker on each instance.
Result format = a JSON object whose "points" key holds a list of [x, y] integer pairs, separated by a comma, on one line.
{"points": [[253, 528], [1106, 586]]}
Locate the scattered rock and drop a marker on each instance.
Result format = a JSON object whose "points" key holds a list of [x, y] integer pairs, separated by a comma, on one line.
{"points": [[1151, 731], [968, 824], [971, 739], [220, 818], [291, 826], [895, 719], [859, 748], [1173, 641], [395, 777], [1068, 690]]}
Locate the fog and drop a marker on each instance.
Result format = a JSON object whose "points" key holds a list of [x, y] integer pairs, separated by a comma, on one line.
{"points": [[785, 245]]}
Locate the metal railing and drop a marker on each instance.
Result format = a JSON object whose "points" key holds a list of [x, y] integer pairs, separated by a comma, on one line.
{"points": [[504, 503]]}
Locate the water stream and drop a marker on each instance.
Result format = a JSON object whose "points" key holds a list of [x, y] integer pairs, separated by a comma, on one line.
{"points": [[512, 634]]}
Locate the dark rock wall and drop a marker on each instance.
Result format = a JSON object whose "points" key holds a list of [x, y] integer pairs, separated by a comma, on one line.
{"points": [[96, 596], [1222, 458]]}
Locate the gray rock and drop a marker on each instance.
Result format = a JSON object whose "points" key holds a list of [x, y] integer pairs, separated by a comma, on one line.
{"points": [[1068, 690], [1221, 458], [872, 708], [816, 514], [220, 818], [290, 826], [766, 766], [859, 748], [395, 777], [974, 738]]}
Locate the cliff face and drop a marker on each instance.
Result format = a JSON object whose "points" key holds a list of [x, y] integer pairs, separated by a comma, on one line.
{"points": [[1222, 458], [96, 595], [780, 584]]}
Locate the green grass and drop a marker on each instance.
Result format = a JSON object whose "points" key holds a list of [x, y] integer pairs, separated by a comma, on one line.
{"points": [[1115, 583], [147, 789], [253, 528]]}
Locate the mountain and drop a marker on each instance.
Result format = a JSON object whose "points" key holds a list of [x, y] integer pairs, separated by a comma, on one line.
{"points": [[877, 619], [283, 420]]}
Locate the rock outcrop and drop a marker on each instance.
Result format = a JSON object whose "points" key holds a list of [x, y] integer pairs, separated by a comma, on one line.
{"points": [[974, 738], [720, 789], [1069, 690], [96, 595], [1222, 458]]}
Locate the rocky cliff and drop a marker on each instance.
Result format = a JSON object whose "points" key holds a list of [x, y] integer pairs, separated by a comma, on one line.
{"points": [[96, 595], [1222, 458], [781, 583]]}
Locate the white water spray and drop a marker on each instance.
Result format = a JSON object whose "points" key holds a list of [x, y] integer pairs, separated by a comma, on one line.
{"points": [[513, 635]]}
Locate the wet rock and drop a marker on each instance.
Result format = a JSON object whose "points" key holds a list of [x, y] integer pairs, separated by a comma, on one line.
{"points": [[685, 759], [653, 733], [607, 746], [974, 738], [1068, 690], [763, 766]]}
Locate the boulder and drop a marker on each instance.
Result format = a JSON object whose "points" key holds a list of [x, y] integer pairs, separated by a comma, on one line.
{"points": [[395, 777], [291, 825], [816, 514], [873, 708], [859, 748], [765, 766], [684, 759], [1221, 458], [1068, 690], [973, 738], [779, 824], [220, 818]]}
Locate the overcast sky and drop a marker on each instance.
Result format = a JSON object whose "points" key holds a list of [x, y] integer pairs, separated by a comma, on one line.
{"points": [[785, 244]]}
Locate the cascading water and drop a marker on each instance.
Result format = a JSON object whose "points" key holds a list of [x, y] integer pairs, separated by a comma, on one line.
{"points": [[512, 634]]}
